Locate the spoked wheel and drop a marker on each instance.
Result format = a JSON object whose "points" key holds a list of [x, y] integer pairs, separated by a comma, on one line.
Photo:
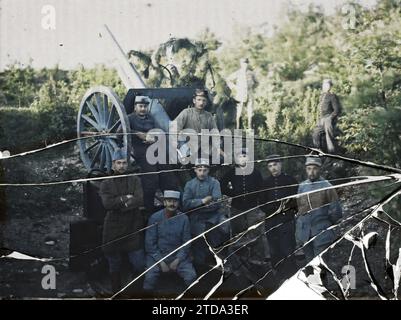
{"points": [[100, 115]]}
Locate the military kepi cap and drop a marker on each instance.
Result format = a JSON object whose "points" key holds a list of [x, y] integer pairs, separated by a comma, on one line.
{"points": [[171, 194], [118, 155], [273, 158], [201, 93], [313, 161], [242, 151], [202, 163], [329, 81], [142, 100]]}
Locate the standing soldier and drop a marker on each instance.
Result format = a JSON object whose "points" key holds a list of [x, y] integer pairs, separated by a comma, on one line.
{"points": [[200, 196], [168, 230], [243, 187], [330, 109], [243, 81], [281, 226], [122, 197], [317, 211]]}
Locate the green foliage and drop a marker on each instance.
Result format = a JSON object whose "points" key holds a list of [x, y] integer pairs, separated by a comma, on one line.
{"points": [[364, 63], [40, 107]]}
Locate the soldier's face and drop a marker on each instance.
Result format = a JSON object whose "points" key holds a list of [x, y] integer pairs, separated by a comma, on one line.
{"points": [[120, 166], [202, 172], [326, 87], [171, 204], [313, 172], [274, 168], [141, 109], [199, 102], [242, 160]]}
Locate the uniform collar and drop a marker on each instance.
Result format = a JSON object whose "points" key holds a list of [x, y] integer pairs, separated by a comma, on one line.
{"points": [[142, 118], [204, 180], [169, 215]]}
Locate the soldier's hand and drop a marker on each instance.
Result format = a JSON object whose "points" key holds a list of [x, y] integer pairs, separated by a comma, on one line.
{"points": [[141, 135], [207, 199], [150, 139], [131, 202], [164, 267], [128, 200], [174, 264]]}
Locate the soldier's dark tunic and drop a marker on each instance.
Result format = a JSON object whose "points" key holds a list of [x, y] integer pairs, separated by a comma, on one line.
{"points": [[120, 220], [281, 239], [242, 188], [330, 109], [150, 182]]}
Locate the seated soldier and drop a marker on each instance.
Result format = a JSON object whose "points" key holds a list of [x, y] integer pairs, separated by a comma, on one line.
{"points": [[122, 197], [317, 211], [201, 196], [196, 119], [170, 230], [140, 123]]}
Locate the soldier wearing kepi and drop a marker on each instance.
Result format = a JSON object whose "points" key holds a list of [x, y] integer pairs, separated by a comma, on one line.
{"points": [[243, 188], [281, 226], [317, 211], [168, 230], [330, 109], [141, 122], [201, 196], [196, 119], [122, 197]]}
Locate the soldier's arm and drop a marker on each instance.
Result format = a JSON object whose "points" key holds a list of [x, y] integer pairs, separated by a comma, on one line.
{"points": [[293, 190], [183, 253], [335, 209], [336, 106], [181, 120], [151, 237], [216, 195], [188, 200], [302, 202], [137, 200], [110, 200], [224, 184]]}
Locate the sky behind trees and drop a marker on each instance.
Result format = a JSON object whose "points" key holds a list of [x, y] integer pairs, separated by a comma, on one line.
{"points": [[72, 34]]}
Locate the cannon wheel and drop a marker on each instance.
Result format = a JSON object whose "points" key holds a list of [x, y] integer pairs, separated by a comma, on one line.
{"points": [[101, 112]]}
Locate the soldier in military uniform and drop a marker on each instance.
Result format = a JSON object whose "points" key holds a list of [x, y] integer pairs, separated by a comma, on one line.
{"points": [[243, 188], [168, 230], [141, 122], [122, 197], [330, 109], [317, 211], [201, 197], [281, 226], [196, 118]]}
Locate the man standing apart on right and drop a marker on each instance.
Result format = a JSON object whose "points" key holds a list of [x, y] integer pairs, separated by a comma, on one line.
{"points": [[330, 109]]}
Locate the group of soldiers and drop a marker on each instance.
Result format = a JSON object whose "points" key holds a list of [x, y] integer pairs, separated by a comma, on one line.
{"points": [[200, 221]]}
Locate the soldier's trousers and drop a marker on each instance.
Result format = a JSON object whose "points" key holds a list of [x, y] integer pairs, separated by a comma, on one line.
{"points": [[185, 270], [254, 239], [282, 246], [136, 259], [150, 182], [324, 126], [201, 222]]}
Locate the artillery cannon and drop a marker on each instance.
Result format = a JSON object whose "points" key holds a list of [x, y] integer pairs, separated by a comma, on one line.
{"points": [[102, 113]]}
